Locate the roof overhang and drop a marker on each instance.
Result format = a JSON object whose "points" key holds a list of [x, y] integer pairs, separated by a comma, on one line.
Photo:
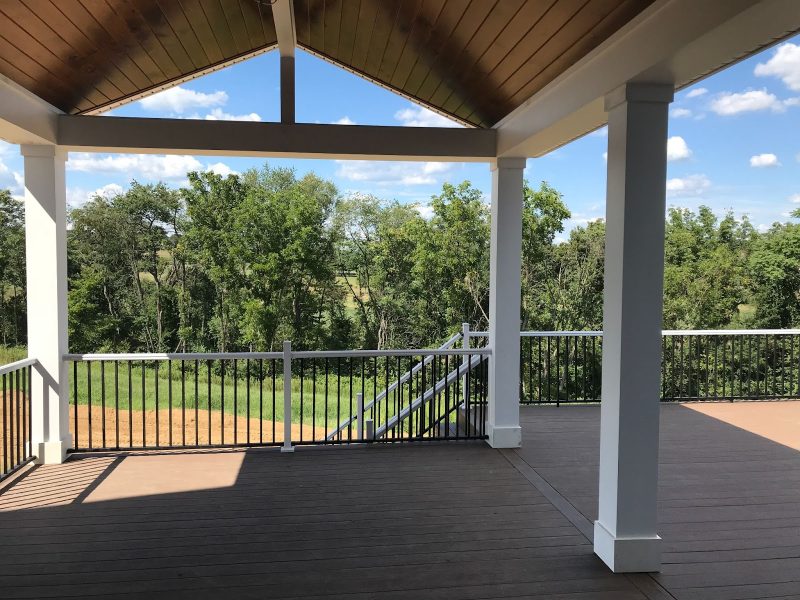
{"points": [[677, 42]]}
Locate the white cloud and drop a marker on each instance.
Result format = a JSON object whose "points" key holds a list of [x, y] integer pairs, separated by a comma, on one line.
{"points": [[697, 92], [692, 185], [345, 120], [389, 173], [219, 115], [425, 211], [179, 99], [785, 64], [680, 113], [151, 166], [728, 103], [220, 169], [677, 149], [419, 116], [764, 160], [11, 179], [795, 198], [605, 156], [77, 196]]}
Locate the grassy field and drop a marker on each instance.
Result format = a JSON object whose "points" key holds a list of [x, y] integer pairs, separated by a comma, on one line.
{"points": [[145, 391]]}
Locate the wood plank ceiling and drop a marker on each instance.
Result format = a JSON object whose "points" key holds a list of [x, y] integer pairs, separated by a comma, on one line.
{"points": [[475, 60]]}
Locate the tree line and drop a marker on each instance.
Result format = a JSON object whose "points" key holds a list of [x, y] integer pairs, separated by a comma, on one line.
{"points": [[242, 262]]}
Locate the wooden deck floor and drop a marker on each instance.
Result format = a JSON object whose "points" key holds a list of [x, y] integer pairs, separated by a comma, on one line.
{"points": [[437, 521]]}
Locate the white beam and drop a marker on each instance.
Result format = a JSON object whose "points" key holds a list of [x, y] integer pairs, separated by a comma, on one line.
{"points": [[625, 532], [300, 140], [672, 41], [46, 267], [24, 117], [502, 425], [283, 16]]}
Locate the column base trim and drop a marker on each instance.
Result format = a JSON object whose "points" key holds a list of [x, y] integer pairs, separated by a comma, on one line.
{"points": [[52, 453], [627, 554], [504, 437]]}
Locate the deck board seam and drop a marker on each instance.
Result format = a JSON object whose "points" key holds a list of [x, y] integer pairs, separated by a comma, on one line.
{"points": [[643, 582]]}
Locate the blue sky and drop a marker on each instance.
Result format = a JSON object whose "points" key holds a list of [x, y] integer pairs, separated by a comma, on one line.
{"points": [[733, 140]]}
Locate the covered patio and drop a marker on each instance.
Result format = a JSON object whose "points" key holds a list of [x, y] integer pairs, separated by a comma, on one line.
{"points": [[525, 78], [422, 521]]}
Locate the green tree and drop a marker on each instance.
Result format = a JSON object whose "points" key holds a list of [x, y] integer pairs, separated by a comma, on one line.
{"points": [[12, 270], [775, 269]]}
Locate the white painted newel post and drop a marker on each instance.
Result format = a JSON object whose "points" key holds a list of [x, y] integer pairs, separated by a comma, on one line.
{"points": [[502, 425], [465, 344], [287, 397], [360, 415], [625, 533], [46, 271]]}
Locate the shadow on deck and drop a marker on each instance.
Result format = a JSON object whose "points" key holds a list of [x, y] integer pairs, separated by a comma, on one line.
{"points": [[456, 520]]}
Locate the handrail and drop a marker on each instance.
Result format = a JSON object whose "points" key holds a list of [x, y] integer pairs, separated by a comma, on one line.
{"points": [[665, 332], [19, 364], [160, 356], [405, 377], [175, 356]]}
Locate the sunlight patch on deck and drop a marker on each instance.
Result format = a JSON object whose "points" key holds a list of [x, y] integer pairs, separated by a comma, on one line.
{"points": [[149, 475], [776, 421]]}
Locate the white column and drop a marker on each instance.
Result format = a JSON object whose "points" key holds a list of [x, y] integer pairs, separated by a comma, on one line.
{"points": [[502, 425], [46, 267], [625, 532]]}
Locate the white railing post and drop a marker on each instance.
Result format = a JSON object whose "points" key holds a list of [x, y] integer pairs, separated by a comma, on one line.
{"points": [[287, 397], [370, 427], [360, 414], [465, 344]]}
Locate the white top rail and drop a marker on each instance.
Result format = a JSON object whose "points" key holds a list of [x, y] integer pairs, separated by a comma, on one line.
{"points": [[16, 365], [665, 332], [272, 355], [402, 352], [176, 356]]}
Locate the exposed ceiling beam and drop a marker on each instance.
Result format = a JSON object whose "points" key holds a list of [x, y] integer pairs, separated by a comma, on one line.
{"points": [[300, 140], [283, 16], [673, 41], [24, 117]]}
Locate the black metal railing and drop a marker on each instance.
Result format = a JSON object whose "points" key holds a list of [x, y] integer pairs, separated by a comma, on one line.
{"points": [[15, 419], [391, 396], [565, 367], [283, 398]]}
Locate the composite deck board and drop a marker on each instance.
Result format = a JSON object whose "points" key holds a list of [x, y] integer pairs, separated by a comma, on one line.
{"points": [[438, 521], [729, 500], [411, 521]]}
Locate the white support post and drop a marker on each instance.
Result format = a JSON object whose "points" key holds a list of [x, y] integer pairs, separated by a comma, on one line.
{"points": [[46, 268], [360, 415], [502, 425], [625, 533], [287, 398], [465, 344]]}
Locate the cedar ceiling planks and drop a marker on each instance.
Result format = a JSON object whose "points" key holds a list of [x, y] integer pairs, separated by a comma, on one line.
{"points": [[81, 55], [476, 60]]}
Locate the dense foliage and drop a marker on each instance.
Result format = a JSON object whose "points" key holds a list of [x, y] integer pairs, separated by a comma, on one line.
{"points": [[245, 261]]}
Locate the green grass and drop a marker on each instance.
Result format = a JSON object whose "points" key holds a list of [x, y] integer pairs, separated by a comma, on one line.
{"points": [[165, 391], [9, 354]]}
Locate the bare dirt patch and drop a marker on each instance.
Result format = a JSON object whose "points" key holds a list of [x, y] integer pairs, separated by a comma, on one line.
{"points": [[174, 428]]}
